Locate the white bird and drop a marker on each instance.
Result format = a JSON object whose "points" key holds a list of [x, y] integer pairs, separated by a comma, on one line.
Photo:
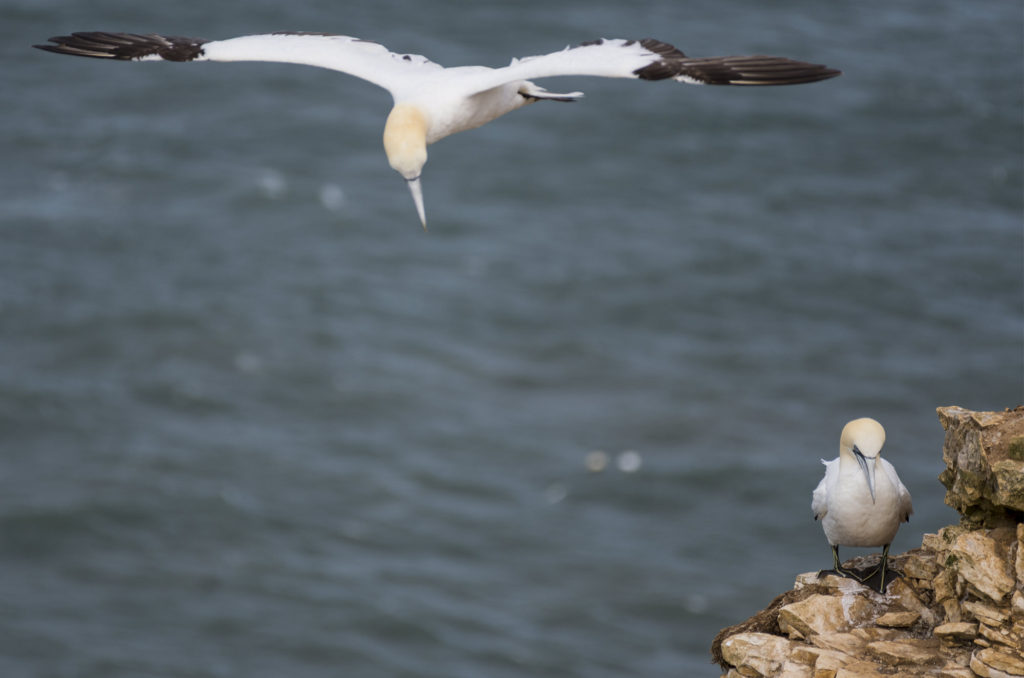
{"points": [[858, 507], [431, 101]]}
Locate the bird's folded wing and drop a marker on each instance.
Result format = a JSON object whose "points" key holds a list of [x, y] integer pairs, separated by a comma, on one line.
{"points": [[819, 499], [906, 508], [360, 58], [652, 59]]}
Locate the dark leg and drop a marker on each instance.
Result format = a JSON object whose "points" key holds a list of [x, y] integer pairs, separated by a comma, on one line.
{"points": [[835, 565], [880, 571], [849, 574], [885, 560], [837, 568]]}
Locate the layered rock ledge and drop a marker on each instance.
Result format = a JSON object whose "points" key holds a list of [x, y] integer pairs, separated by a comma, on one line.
{"points": [[957, 612]]}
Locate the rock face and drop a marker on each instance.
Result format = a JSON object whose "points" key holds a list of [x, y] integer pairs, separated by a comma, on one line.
{"points": [[984, 455], [957, 612]]}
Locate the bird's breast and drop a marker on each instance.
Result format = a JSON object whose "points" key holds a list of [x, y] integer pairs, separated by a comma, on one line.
{"points": [[853, 519]]}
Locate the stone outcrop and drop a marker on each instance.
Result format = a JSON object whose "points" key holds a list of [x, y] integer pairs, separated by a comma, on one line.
{"points": [[958, 610], [984, 455]]}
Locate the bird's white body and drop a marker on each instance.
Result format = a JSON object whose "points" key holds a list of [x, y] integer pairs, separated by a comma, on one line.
{"points": [[850, 517], [851, 514], [449, 115], [431, 101]]}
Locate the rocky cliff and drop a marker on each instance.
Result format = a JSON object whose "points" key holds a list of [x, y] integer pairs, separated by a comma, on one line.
{"points": [[957, 612]]}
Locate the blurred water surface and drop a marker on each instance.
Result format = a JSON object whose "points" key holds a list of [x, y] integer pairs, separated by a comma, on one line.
{"points": [[255, 422]]}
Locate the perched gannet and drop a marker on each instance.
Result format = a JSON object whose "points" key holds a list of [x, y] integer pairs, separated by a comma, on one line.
{"points": [[432, 102], [857, 506]]}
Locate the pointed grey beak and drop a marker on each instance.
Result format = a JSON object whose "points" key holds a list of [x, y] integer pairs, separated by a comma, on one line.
{"points": [[869, 470], [417, 197]]}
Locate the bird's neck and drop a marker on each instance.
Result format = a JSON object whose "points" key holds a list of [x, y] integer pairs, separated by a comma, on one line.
{"points": [[405, 140]]}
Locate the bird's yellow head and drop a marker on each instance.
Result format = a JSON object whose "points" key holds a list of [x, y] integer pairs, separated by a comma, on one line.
{"points": [[865, 434], [405, 143], [862, 441]]}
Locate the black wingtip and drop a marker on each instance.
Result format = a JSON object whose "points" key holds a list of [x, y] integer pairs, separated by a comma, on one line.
{"points": [[730, 70], [829, 73], [125, 46], [761, 70], [80, 44]]}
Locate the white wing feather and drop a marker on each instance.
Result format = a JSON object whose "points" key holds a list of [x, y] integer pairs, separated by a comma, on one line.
{"points": [[905, 506], [616, 58], [361, 58], [819, 499]]}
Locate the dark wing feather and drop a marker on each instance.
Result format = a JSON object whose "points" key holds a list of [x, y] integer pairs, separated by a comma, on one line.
{"points": [[126, 46], [729, 70], [752, 70]]}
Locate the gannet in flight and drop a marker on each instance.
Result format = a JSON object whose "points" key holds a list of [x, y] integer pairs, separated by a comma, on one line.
{"points": [[431, 101], [857, 506]]}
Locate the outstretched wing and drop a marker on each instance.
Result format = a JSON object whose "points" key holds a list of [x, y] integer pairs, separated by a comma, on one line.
{"points": [[361, 58], [652, 59]]}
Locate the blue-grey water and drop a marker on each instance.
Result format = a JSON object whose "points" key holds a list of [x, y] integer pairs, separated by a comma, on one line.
{"points": [[255, 422]]}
